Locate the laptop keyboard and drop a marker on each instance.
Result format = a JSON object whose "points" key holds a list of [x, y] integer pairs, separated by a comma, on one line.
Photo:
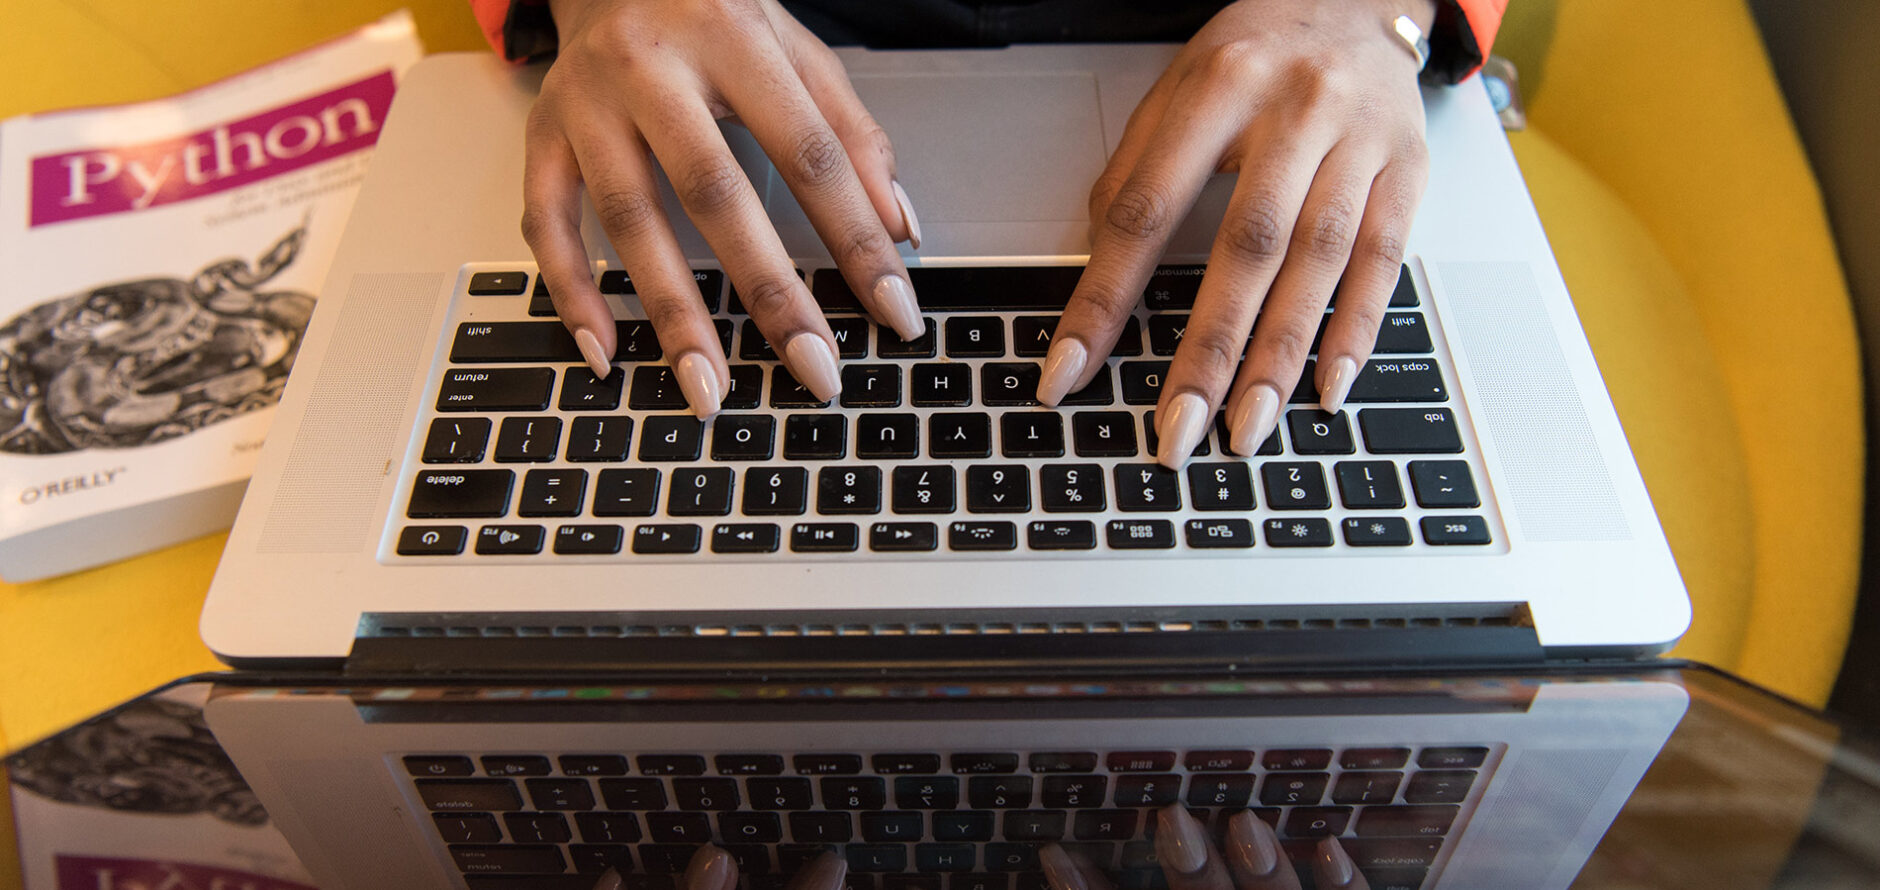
{"points": [[927, 821], [936, 447]]}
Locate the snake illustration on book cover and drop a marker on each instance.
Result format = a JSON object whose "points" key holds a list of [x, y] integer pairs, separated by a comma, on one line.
{"points": [[136, 362]]}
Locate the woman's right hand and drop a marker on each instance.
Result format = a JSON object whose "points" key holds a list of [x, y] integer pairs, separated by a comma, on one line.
{"points": [[638, 79], [1254, 860]]}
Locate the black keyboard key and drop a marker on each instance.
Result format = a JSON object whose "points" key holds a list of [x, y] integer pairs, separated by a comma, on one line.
{"points": [[666, 859], [513, 341], [456, 440], [752, 347], [635, 341], [815, 436], [1410, 431], [1165, 333], [1031, 434], [1443, 484], [787, 392], [679, 828], [582, 391], [1104, 825], [1129, 342], [1404, 295], [593, 765], [1018, 288], [963, 825], [997, 488], [747, 388], [1061, 534], [599, 439], [975, 337], [1403, 333], [938, 385], [633, 492], [666, 538], [903, 537], [700, 492], [775, 793], [1316, 432], [750, 828], [1376, 531], [528, 439], [498, 284], [1229, 791], [851, 335], [1269, 446], [1296, 759], [824, 537], [854, 793], [924, 489], [671, 764], [1152, 443], [1214, 761], [876, 857], [469, 795], [745, 537], [1399, 380], [1295, 485], [1101, 390], [892, 827], [1146, 487], [890, 344], [821, 828], [469, 828], [1104, 434], [1009, 384], [560, 794], [883, 436], [1401, 821], [848, 489], [1293, 789], [871, 386], [510, 540], [1173, 287], [1012, 857], [1366, 787], [460, 493], [1147, 790], [1316, 822], [1302, 531], [776, 491], [710, 283], [634, 794], [520, 859], [495, 389], [1368, 484], [1445, 531], [432, 540], [1218, 534], [666, 437], [743, 437], [438, 767], [705, 794], [969, 536], [999, 792], [1071, 488], [1034, 825], [1142, 382], [1140, 534], [1031, 335], [588, 540], [959, 435], [655, 389], [944, 857], [905, 763], [1073, 792], [1220, 486], [753, 860], [982, 763], [826, 764], [1452, 758]]}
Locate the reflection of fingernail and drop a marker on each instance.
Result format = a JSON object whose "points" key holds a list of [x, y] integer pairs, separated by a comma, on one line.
{"points": [[1062, 366], [1252, 849], [814, 364], [1180, 841], [699, 381], [1338, 866], [1338, 380], [907, 215], [894, 299], [825, 872], [1060, 870], [592, 351], [711, 869], [610, 880], [1252, 418], [1185, 422]]}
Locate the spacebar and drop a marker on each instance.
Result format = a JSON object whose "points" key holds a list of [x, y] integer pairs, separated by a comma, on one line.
{"points": [[974, 289]]}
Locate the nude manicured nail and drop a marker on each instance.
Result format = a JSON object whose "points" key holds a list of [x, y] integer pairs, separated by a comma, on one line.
{"points": [[1180, 841], [814, 364], [1060, 869], [1062, 366], [1179, 429], [592, 351], [1336, 864], [699, 381], [825, 872], [1252, 418], [610, 880], [1252, 849], [710, 869], [894, 299], [907, 215], [1338, 379]]}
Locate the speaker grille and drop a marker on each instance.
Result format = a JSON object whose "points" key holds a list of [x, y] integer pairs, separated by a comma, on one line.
{"points": [[1551, 467], [339, 459]]}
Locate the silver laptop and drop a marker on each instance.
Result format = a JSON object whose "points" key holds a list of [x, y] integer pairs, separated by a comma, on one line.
{"points": [[445, 484]]}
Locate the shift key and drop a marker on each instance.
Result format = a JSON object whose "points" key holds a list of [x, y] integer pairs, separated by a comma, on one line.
{"points": [[457, 494], [496, 389]]}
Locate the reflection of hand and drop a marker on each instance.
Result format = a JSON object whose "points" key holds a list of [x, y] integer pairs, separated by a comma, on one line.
{"points": [[1316, 106], [711, 868], [652, 77], [1254, 860]]}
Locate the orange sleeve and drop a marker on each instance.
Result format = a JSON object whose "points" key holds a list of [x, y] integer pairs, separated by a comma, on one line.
{"points": [[1463, 36]]}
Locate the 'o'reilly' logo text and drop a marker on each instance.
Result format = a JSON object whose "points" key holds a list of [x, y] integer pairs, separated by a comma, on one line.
{"points": [[99, 181]]}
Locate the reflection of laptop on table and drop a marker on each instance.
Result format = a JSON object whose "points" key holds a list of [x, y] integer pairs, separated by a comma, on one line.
{"points": [[446, 486]]}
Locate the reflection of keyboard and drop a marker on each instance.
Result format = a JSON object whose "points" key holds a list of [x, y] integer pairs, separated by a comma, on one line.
{"points": [[937, 446], [923, 821]]}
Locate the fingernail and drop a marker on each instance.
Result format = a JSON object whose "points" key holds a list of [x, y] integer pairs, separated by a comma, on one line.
{"points": [[1060, 870], [1180, 428], [814, 364], [907, 215], [1180, 841], [710, 869], [699, 381], [894, 299], [610, 880], [825, 872], [1252, 418], [1252, 849], [1337, 864], [1338, 380], [1062, 366], [592, 351]]}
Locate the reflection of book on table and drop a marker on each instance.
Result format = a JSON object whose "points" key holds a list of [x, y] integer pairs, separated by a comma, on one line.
{"points": [[161, 261]]}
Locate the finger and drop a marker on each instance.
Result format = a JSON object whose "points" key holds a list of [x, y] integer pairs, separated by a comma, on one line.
{"points": [[710, 869], [1254, 855], [867, 143], [1188, 857], [610, 880], [1333, 868], [1143, 121], [825, 872], [1370, 277], [1279, 160], [626, 200], [551, 225], [726, 209], [1134, 231], [815, 165], [1315, 250], [1065, 870]]}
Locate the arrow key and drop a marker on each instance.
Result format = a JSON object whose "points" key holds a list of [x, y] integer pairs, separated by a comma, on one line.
{"points": [[744, 537], [587, 539]]}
